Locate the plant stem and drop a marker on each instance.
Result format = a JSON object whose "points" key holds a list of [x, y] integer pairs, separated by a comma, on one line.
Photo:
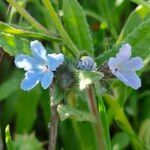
{"points": [[94, 111], [73, 49], [28, 17], [53, 123], [1, 54]]}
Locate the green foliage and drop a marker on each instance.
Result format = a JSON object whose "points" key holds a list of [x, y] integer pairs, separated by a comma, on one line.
{"points": [[59, 94], [14, 45], [11, 84], [9, 142], [25, 33], [27, 142], [105, 7], [22, 142], [138, 39], [26, 120], [62, 25], [144, 132], [76, 25], [139, 15], [86, 78], [120, 141], [77, 115], [103, 116], [60, 28]]}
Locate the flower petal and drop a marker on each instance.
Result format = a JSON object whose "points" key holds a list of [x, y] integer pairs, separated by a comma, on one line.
{"points": [[31, 80], [25, 61], [133, 64], [112, 64], [129, 78], [124, 53], [55, 60], [47, 79], [38, 50]]}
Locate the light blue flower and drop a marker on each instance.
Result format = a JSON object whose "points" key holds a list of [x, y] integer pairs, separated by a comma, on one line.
{"points": [[86, 63], [39, 68], [124, 67]]}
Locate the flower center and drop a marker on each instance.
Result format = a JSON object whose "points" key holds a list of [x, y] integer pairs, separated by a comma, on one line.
{"points": [[116, 69], [45, 68]]}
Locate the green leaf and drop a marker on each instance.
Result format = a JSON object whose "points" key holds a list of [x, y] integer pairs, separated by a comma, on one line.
{"points": [[105, 8], [68, 135], [72, 47], [26, 109], [14, 45], [9, 142], [120, 141], [76, 25], [25, 33], [144, 132], [58, 94], [139, 40], [104, 120], [10, 86], [139, 15], [69, 112], [27, 142], [142, 2], [87, 77]]}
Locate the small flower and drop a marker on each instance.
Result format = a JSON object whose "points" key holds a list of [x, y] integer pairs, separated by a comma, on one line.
{"points": [[86, 63], [39, 68], [124, 67]]}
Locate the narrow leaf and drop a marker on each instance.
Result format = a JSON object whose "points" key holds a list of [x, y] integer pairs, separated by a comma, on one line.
{"points": [[9, 142], [76, 25], [60, 28], [104, 119], [24, 33]]}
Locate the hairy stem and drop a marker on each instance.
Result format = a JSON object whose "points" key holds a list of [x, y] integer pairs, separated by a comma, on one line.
{"points": [[53, 123], [94, 111]]}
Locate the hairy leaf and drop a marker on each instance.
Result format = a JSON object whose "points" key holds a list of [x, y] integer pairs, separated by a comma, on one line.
{"points": [[25, 33], [14, 45], [69, 112], [76, 25], [139, 40], [27, 142], [86, 78]]}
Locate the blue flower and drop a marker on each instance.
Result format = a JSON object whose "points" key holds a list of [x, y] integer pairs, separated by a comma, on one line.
{"points": [[86, 63], [39, 68], [124, 67]]}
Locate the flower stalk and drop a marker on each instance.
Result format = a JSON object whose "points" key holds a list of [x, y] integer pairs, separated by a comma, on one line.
{"points": [[94, 111], [53, 122]]}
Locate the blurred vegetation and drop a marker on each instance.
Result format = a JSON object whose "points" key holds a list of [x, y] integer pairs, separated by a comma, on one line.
{"points": [[27, 113]]}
